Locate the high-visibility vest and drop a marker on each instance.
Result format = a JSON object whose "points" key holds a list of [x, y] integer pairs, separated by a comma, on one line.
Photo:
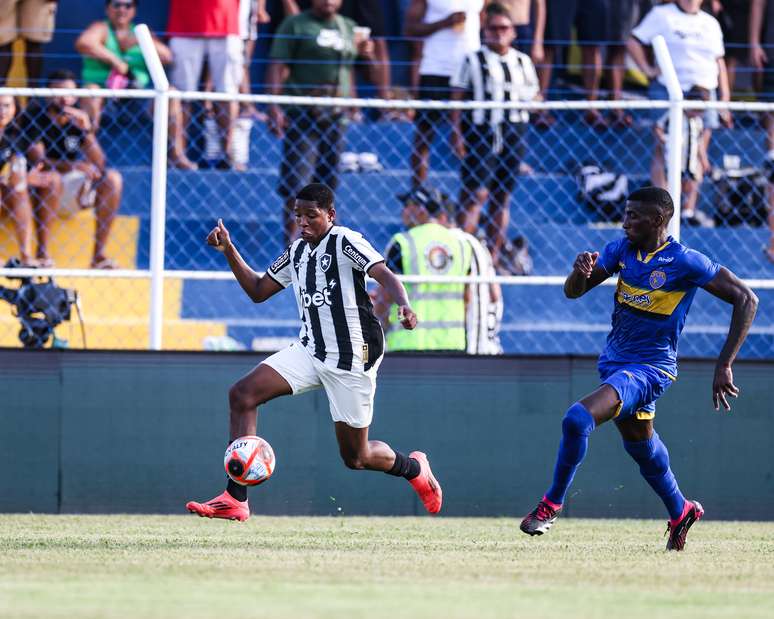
{"points": [[431, 249]]}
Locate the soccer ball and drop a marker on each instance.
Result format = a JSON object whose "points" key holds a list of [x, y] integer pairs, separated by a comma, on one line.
{"points": [[249, 460]]}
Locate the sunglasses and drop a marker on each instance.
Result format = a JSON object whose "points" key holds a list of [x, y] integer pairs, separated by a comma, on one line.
{"points": [[122, 5], [502, 28]]}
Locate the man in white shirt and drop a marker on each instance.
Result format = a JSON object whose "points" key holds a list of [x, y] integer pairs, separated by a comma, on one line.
{"points": [[450, 29], [695, 43]]}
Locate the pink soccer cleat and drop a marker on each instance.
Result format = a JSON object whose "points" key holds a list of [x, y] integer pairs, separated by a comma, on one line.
{"points": [[222, 506], [426, 486]]}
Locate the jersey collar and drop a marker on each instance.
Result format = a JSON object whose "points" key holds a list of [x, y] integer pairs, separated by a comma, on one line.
{"points": [[650, 255]]}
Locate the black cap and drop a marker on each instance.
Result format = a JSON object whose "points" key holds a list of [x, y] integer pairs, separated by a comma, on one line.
{"points": [[430, 199]]}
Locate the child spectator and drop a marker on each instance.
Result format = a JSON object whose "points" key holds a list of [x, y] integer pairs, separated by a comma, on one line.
{"points": [[694, 157]]}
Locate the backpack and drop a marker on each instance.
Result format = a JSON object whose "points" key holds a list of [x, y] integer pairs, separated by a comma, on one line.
{"points": [[741, 196], [602, 192]]}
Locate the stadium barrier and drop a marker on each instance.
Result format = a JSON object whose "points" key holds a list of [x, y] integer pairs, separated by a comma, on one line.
{"points": [[141, 432], [171, 291]]}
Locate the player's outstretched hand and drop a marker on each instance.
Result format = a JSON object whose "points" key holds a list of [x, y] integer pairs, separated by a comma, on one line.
{"points": [[407, 317], [723, 385], [584, 263], [219, 237]]}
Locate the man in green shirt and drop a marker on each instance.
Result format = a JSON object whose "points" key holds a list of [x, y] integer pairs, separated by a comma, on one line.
{"points": [[312, 55]]}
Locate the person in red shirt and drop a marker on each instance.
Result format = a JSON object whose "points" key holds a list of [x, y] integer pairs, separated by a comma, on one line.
{"points": [[208, 29]]}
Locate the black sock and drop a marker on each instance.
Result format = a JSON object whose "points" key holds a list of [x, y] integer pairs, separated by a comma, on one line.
{"points": [[237, 491], [404, 467]]}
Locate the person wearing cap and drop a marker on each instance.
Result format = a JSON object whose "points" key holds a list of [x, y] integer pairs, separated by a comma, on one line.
{"points": [[428, 248]]}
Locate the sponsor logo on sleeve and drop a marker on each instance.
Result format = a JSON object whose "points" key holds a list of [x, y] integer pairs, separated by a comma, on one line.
{"points": [[281, 262], [354, 255]]}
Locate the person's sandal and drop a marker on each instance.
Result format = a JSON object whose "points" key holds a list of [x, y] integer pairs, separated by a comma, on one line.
{"points": [[105, 264]]}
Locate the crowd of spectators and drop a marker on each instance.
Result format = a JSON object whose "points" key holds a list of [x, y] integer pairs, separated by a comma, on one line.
{"points": [[485, 50]]}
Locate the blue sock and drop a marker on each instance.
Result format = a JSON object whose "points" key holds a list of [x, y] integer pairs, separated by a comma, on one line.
{"points": [[653, 458], [576, 428]]}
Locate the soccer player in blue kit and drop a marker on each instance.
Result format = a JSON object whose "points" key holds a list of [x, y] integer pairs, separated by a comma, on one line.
{"points": [[657, 280]]}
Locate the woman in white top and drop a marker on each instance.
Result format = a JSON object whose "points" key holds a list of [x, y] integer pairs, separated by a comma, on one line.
{"points": [[695, 43]]}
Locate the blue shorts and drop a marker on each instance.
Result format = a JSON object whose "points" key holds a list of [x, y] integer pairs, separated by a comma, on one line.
{"points": [[638, 387]]}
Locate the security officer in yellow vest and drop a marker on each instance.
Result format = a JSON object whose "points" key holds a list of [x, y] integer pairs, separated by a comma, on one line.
{"points": [[428, 248]]}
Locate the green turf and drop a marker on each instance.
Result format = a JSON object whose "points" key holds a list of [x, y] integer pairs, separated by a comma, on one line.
{"points": [[274, 568]]}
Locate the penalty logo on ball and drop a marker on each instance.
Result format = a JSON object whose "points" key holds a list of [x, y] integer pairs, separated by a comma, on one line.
{"points": [[249, 460]]}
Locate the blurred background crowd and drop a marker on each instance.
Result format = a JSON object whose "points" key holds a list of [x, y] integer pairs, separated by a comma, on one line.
{"points": [[528, 186]]}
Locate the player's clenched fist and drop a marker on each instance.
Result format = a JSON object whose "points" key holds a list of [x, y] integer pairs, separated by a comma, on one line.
{"points": [[407, 317], [219, 237], [584, 263]]}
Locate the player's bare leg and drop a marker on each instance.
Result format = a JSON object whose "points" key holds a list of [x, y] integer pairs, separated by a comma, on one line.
{"points": [[579, 421], [260, 385], [644, 445], [360, 453], [257, 387]]}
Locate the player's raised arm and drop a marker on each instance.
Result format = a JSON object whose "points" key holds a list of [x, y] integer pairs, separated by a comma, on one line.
{"points": [[397, 293], [729, 288], [258, 288], [586, 274]]}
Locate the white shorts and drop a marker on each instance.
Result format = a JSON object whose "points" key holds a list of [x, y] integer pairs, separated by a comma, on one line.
{"points": [[77, 193], [350, 394], [224, 58]]}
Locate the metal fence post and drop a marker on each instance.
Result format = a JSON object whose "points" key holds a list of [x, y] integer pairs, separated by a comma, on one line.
{"points": [[675, 137], [158, 183]]}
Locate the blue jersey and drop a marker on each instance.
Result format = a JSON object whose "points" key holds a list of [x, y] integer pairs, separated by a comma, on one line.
{"points": [[652, 299]]}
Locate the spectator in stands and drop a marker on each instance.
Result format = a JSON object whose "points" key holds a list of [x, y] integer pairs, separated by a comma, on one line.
{"points": [[252, 14], [112, 59], [33, 21], [695, 43], [450, 29], [620, 21], [490, 142], [208, 29], [694, 156], [58, 136], [734, 18], [591, 22], [312, 55], [761, 35], [366, 14], [27, 194], [13, 182], [428, 247], [529, 19]]}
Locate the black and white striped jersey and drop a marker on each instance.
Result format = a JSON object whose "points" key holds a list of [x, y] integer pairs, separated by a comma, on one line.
{"points": [[484, 311], [488, 76], [338, 324]]}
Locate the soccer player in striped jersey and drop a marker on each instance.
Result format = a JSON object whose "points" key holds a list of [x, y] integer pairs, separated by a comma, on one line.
{"points": [[657, 280], [340, 345]]}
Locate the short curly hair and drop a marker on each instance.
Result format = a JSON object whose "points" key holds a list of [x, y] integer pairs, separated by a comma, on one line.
{"points": [[655, 196]]}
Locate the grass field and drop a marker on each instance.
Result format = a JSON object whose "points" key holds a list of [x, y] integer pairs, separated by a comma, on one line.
{"points": [[274, 568]]}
